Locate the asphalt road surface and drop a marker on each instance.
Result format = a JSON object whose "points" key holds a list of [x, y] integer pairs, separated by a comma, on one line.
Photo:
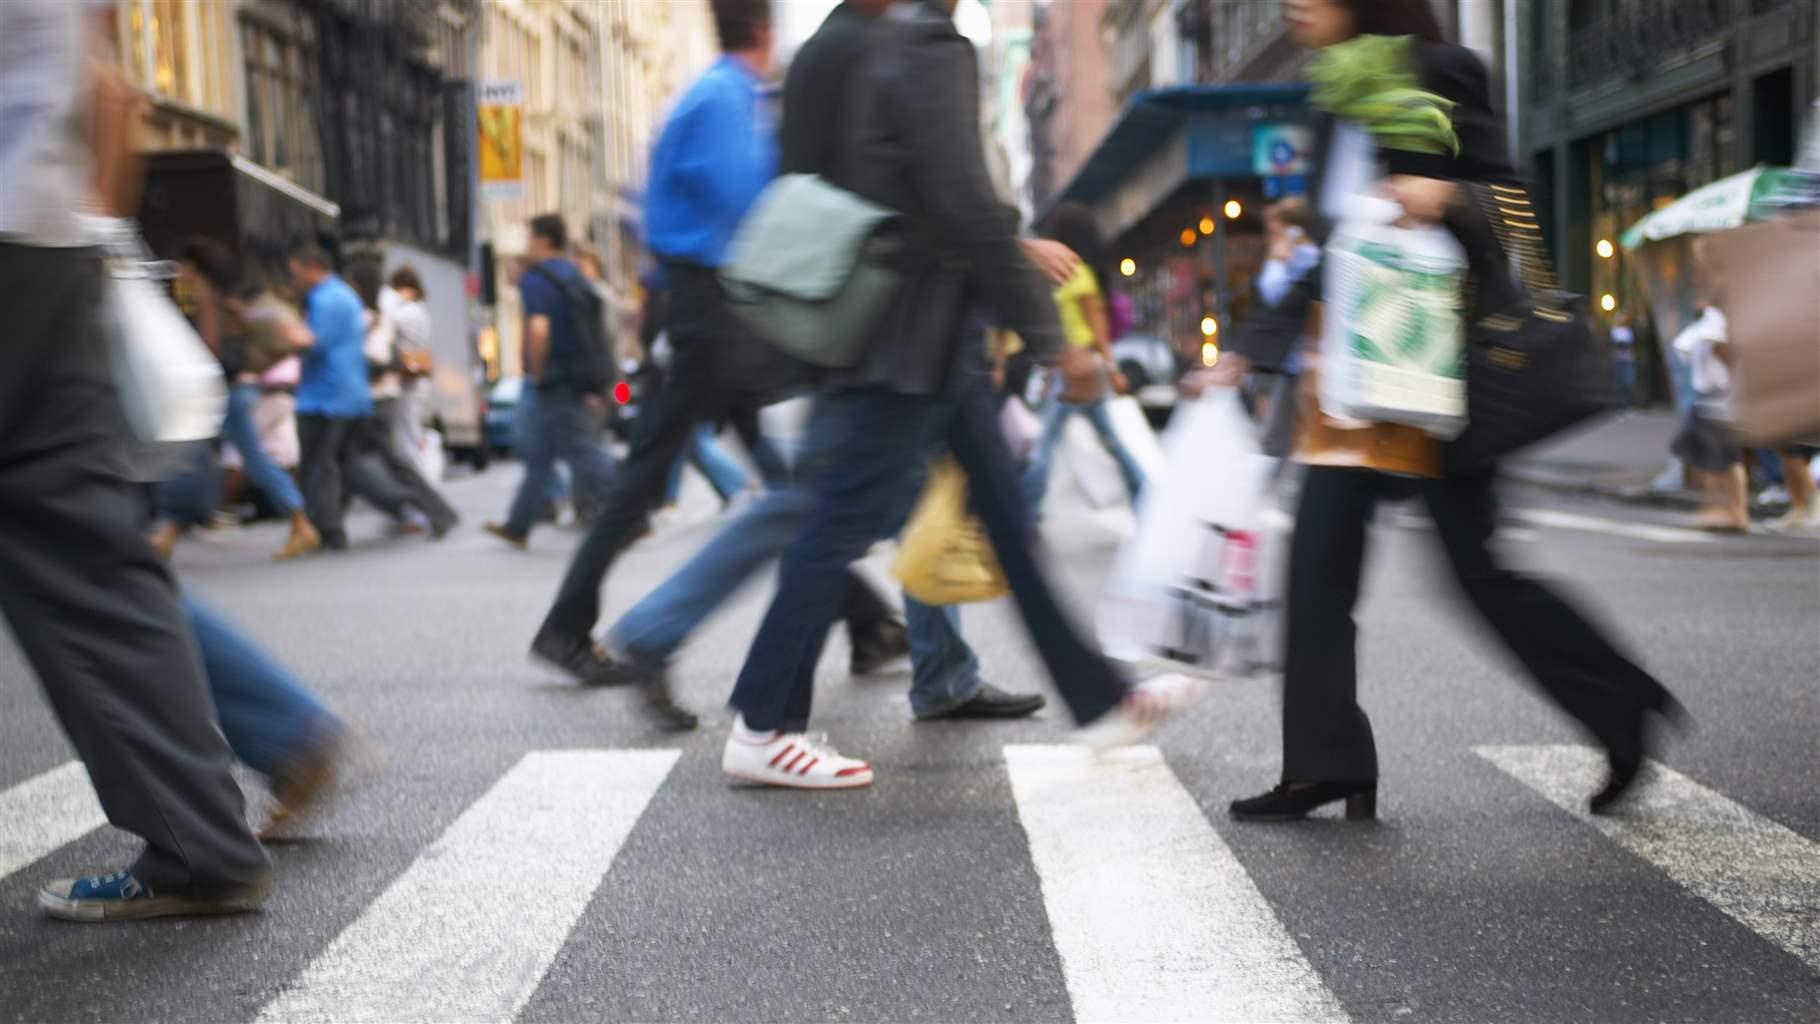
{"points": [[517, 848]]}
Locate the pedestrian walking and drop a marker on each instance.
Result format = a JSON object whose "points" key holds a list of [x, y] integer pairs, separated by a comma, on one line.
{"points": [[1328, 751], [716, 152], [1707, 444], [1624, 359], [333, 397], [383, 473], [564, 384], [1088, 374], [251, 338], [913, 147], [413, 334], [94, 610]]}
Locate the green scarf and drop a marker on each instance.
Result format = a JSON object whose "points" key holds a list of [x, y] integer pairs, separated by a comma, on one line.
{"points": [[1371, 81]]}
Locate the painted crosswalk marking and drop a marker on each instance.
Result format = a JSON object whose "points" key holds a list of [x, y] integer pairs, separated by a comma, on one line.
{"points": [[45, 812], [468, 930], [1650, 532], [1153, 916], [1762, 874]]}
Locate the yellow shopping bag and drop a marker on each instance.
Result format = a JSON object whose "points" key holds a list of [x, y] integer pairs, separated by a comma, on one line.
{"points": [[944, 556]]}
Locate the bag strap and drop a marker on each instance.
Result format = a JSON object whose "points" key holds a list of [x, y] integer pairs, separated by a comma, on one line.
{"points": [[1519, 231]]}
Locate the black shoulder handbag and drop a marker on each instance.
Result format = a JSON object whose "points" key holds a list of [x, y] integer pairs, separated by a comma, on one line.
{"points": [[1533, 369]]}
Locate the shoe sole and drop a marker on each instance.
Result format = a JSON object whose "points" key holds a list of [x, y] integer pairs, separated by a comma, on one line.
{"points": [[850, 782], [1024, 710]]}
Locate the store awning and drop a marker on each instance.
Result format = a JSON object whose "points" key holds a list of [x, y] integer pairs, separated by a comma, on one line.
{"points": [[1169, 135], [1720, 206]]}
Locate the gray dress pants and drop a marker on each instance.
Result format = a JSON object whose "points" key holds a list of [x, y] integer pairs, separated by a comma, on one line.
{"points": [[93, 608]]}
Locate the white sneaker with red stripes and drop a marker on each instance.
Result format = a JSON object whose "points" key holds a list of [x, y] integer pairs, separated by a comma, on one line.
{"points": [[794, 760], [1148, 705]]}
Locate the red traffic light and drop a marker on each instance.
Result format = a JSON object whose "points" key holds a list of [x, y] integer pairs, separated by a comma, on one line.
{"points": [[622, 392]]}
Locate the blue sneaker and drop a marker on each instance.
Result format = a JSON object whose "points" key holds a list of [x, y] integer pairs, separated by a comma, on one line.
{"points": [[121, 897]]}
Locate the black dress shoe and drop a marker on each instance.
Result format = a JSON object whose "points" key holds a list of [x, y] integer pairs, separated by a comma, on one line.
{"points": [[992, 702], [583, 660], [1293, 801], [878, 647], [1626, 752], [656, 700]]}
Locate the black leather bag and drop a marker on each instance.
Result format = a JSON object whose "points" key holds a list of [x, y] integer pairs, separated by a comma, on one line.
{"points": [[1534, 369]]}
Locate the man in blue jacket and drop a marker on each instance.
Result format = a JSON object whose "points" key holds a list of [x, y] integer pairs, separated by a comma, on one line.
{"points": [[332, 395]]}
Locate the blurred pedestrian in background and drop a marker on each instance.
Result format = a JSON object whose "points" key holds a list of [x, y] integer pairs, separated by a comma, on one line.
{"points": [[413, 335], [1624, 359], [1088, 373], [333, 396], [94, 610], [1707, 445], [556, 407], [383, 472], [1328, 751]]}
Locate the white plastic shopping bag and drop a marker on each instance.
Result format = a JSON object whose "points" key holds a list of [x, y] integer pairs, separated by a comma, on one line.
{"points": [[1393, 344], [1134, 431], [1190, 588], [170, 386]]}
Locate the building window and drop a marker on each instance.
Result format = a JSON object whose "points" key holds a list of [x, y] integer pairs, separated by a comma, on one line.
{"points": [[280, 115], [174, 49]]}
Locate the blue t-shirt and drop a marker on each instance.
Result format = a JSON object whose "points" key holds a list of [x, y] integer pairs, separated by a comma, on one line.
{"points": [[334, 373], [541, 297], [717, 152]]}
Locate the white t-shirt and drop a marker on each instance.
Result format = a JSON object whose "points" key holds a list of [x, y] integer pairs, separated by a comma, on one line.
{"points": [[1698, 344], [44, 157]]}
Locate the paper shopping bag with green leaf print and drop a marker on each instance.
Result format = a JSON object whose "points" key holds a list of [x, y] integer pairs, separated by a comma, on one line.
{"points": [[1393, 341]]}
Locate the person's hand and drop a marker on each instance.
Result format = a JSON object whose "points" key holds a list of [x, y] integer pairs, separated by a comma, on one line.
{"points": [[1056, 261], [595, 403], [998, 378], [1228, 373], [1281, 248], [1120, 385], [1424, 200]]}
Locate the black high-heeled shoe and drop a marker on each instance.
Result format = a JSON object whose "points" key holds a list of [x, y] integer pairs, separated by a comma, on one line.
{"points": [[1293, 801], [1626, 752]]}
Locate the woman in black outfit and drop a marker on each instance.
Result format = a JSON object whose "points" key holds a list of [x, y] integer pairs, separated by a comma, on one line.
{"points": [[1328, 752]]}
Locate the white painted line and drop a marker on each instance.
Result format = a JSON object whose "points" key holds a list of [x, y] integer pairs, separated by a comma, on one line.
{"points": [[467, 932], [1762, 874], [1595, 524], [45, 812], [1153, 916]]}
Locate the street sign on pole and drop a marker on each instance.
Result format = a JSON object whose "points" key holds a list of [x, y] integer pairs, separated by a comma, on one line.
{"points": [[499, 117]]}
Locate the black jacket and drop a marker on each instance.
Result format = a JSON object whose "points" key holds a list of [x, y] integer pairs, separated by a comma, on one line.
{"points": [[888, 109], [1455, 73]]}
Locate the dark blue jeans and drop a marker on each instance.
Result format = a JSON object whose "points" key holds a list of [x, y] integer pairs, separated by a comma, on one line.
{"points": [[864, 494], [552, 426], [268, 717]]}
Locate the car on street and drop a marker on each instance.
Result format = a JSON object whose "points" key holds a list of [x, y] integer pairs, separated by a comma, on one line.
{"points": [[1151, 368]]}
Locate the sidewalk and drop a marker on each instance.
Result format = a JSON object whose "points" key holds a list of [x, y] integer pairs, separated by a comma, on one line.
{"points": [[1616, 457]]}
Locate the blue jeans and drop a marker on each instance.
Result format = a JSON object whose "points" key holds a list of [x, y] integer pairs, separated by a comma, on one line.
{"points": [[1055, 417], [724, 475], [553, 425], [239, 430], [880, 441], [656, 627], [269, 719]]}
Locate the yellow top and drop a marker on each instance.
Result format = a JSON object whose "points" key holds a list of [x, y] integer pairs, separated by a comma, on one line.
{"points": [[1075, 328]]}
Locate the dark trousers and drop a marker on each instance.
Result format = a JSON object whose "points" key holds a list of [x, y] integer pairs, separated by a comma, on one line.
{"points": [[1326, 735], [93, 608], [864, 494], [718, 371], [377, 446], [327, 445]]}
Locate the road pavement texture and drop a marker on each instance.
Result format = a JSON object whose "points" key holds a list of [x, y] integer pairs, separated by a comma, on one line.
{"points": [[524, 849]]}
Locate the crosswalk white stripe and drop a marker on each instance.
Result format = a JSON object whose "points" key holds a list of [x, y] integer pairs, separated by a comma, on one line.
{"points": [[1594, 524], [1762, 874], [45, 812], [1153, 916], [467, 932]]}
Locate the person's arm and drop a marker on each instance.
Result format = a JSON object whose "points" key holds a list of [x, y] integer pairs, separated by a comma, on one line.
{"points": [[1093, 309], [115, 111]]}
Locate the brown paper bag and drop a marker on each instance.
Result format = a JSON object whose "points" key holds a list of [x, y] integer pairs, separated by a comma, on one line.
{"points": [[1768, 278]]}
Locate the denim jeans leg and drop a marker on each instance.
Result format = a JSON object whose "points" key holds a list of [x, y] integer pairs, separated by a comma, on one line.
{"points": [[1036, 475], [240, 431], [570, 432], [265, 713], [1101, 419], [538, 454], [945, 671], [652, 631]]}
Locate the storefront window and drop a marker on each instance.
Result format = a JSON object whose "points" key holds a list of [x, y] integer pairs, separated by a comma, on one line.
{"points": [[175, 50]]}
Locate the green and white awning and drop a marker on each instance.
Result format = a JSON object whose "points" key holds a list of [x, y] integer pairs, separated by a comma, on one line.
{"points": [[1720, 206]]}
